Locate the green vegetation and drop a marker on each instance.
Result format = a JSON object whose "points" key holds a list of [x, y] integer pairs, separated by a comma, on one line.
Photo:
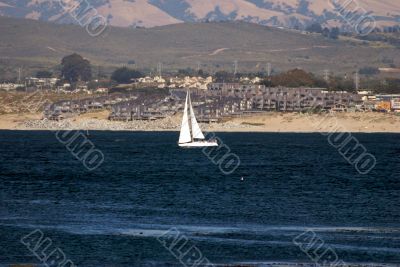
{"points": [[224, 77], [390, 86], [295, 78], [44, 74], [315, 27], [192, 72], [385, 86], [301, 78], [75, 68], [334, 34], [369, 71], [390, 37], [125, 75], [326, 32]]}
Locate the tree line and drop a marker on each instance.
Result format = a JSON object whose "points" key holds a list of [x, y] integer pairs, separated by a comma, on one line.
{"points": [[332, 33], [75, 68]]}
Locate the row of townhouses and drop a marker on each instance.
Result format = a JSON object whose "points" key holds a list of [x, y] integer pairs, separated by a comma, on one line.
{"points": [[217, 102], [286, 99]]}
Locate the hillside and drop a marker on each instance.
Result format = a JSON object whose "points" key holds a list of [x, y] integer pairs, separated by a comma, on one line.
{"points": [[150, 13], [36, 45]]}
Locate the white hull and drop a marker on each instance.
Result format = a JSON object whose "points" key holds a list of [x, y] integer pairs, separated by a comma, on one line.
{"points": [[190, 129], [200, 144]]}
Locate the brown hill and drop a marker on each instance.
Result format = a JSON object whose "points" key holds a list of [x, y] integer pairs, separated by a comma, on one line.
{"points": [[149, 13], [34, 45]]}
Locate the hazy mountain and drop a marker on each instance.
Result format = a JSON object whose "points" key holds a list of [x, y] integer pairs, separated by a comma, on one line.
{"points": [[36, 45], [149, 13]]}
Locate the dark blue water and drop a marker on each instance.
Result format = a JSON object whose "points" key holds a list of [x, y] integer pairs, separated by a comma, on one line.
{"points": [[112, 216]]}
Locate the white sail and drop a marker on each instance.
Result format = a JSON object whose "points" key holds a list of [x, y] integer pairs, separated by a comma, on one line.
{"points": [[190, 130], [196, 131], [185, 136]]}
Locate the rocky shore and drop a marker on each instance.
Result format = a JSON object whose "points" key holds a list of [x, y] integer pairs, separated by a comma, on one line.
{"points": [[266, 122], [96, 124]]}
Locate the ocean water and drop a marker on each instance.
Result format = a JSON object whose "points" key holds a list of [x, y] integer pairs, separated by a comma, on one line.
{"points": [[112, 216]]}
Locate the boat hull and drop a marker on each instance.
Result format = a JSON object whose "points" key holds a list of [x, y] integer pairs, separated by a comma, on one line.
{"points": [[200, 144]]}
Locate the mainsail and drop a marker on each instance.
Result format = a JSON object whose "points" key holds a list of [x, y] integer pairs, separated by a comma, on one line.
{"points": [[191, 135], [196, 131], [185, 136]]}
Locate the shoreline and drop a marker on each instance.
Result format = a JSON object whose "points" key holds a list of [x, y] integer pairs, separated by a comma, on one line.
{"points": [[177, 132], [259, 123]]}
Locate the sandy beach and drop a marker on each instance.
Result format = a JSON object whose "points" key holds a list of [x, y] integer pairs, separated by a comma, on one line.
{"points": [[266, 122]]}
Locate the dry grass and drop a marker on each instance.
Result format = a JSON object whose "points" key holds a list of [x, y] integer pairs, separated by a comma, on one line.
{"points": [[180, 46], [30, 103]]}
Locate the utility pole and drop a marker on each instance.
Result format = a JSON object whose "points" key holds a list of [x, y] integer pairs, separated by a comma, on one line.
{"points": [[19, 75], [326, 75], [236, 67], [198, 66], [357, 80], [269, 69], [159, 69]]}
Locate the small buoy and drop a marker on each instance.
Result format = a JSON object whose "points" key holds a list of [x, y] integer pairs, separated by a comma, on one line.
{"points": [[242, 179]]}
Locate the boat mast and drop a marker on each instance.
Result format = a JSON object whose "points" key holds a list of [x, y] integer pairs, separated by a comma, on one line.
{"points": [[190, 116]]}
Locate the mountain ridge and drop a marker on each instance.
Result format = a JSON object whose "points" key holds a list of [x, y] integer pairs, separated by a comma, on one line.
{"points": [[151, 13]]}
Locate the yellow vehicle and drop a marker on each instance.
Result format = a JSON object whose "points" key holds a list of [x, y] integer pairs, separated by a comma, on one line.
{"points": [[384, 106]]}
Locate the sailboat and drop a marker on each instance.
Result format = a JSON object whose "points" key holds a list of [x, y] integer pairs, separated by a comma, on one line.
{"points": [[191, 134]]}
